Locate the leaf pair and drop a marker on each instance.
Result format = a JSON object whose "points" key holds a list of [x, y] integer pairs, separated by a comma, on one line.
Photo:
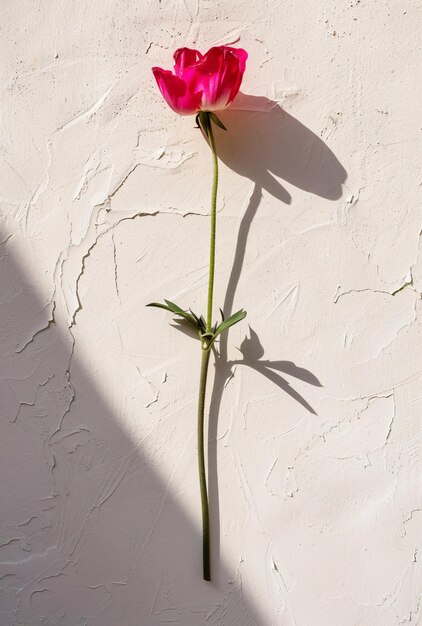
{"points": [[203, 120], [198, 323]]}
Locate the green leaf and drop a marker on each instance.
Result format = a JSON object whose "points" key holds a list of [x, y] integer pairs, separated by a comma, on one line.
{"points": [[176, 310], [158, 305], [230, 321], [204, 121], [199, 320], [174, 307], [217, 121]]}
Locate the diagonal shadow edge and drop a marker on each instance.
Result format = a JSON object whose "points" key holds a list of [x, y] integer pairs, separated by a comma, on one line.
{"points": [[124, 489]]}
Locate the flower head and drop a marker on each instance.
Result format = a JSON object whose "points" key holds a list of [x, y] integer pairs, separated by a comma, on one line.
{"points": [[199, 82]]}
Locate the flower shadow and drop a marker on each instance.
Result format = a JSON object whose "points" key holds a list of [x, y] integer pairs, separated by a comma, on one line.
{"points": [[270, 145]]}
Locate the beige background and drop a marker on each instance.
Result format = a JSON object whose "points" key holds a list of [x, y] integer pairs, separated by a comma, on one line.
{"points": [[315, 475]]}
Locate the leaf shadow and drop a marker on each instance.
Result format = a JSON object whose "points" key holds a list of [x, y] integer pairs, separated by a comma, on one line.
{"points": [[252, 351]]}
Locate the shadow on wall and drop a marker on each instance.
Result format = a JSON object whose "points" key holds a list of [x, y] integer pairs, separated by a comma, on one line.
{"points": [[264, 141], [93, 535], [268, 142], [90, 533]]}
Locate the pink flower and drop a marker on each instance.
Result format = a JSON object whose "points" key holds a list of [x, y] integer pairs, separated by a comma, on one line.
{"points": [[199, 82]]}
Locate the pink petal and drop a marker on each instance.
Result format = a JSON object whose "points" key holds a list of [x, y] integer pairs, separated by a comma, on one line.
{"points": [[184, 57], [241, 55], [218, 74], [204, 75], [175, 92], [215, 68], [233, 76]]}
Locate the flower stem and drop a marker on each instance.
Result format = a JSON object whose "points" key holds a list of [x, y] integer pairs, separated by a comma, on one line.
{"points": [[206, 351], [213, 226], [201, 466]]}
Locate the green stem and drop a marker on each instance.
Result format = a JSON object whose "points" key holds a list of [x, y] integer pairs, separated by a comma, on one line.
{"points": [[206, 351], [201, 466], [213, 225]]}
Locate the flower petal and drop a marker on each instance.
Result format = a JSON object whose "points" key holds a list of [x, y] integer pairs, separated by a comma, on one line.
{"points": [[234, 77], [175, 92], [184, 57], [218, 74], [241, 55]]}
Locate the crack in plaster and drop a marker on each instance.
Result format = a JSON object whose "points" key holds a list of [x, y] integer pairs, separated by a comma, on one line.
{"points": [[50, 322]]}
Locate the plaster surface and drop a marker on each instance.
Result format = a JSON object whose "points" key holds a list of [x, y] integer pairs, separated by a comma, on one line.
{"points": [[315, 437]]}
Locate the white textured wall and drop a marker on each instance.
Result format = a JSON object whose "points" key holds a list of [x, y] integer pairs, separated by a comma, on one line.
{"points": [[316, 514]]}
